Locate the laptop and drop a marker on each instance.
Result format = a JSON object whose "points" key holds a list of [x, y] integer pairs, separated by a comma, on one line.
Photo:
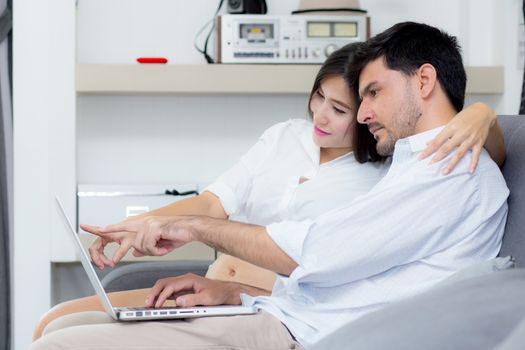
{"points": [[144, 313]]}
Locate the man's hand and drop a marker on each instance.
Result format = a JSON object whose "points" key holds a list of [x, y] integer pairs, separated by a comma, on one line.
{"points": [[125, 240], [152, 235], [190, 290]]}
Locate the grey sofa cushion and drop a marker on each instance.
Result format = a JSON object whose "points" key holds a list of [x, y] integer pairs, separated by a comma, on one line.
{"points": [[475, 313], [514, 170], [516, 340]]}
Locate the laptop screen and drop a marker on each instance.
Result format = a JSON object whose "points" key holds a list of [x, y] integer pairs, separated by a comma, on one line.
{"points": [[86, 263]]}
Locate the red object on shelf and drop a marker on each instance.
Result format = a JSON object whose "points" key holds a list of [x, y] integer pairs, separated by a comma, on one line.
{"points": [[152, 60]]}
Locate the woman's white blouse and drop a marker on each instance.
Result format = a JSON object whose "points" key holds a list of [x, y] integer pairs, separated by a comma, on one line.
{"points": [[265, 185]]}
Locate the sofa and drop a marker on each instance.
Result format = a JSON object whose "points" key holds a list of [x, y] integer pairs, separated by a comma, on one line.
{"points": [[481, 308]]}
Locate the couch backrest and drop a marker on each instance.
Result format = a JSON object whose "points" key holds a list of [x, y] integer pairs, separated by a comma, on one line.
{"points": [[514, 172]]}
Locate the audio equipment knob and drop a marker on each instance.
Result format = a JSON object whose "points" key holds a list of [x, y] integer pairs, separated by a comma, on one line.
{"points": [[316, 52], [329, 49]]}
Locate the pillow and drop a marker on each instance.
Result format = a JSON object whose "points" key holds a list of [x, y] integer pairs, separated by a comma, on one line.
{"points": [[474, 313], [515, 340]]}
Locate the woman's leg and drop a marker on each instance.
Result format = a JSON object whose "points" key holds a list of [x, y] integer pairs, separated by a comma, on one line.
{"points": [[77, 319], [92, 303]]}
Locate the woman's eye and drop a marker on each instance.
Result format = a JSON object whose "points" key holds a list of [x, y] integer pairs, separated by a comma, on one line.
{"points": [[319, 94], [373, 93], [338, 110]]}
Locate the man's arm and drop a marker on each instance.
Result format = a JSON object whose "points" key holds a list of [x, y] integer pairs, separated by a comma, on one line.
{"points": [[160, 235], [406, 219], [250, 243], [204, 204]]}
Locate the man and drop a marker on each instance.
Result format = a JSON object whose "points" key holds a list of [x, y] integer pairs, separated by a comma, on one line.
{"points": [[414, 228]]}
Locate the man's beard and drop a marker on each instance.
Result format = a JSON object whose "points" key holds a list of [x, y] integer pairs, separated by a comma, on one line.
{"points": [[403, 124]]}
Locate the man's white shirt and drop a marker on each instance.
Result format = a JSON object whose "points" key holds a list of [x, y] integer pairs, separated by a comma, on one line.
{"points": [[414, 228]]}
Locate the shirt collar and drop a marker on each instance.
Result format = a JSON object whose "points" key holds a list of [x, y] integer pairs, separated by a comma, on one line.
{"points": [[405, 148], [419, 141]]}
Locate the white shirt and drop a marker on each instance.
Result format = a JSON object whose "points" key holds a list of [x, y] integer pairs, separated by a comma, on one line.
{"points": [[264, 186], [414, 228]]}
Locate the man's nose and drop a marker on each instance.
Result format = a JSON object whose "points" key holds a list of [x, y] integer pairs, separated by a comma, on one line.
{"points": [[364, 113]]}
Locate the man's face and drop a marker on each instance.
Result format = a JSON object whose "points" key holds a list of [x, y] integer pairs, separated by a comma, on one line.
{"points": [[389, 105]]}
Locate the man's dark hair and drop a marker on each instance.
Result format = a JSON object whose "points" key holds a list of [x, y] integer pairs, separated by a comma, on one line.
{"points": [[407, 46]]}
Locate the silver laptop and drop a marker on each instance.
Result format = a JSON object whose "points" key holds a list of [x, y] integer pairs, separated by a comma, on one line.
{"points": [[144, 313]]}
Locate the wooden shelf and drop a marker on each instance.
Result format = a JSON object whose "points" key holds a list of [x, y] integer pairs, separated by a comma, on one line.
{"points": [[190, 79], [231, 79]]}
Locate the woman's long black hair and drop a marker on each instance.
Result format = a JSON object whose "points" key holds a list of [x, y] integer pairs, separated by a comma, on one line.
{"points": [[363, 143]]}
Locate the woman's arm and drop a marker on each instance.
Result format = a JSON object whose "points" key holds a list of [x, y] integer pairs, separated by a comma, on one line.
{"points": [[472, 129], [206, 204]]}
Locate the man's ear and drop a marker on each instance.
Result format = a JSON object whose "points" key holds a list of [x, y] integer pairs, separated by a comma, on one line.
{"points": [[427, 79]]}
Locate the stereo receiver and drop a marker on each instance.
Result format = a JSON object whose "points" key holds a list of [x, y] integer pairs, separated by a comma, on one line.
{"points": [[296, 39]]}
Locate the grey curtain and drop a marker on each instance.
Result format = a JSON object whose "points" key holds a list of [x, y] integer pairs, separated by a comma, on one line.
{"points": [[6, 159], [522, 104]]}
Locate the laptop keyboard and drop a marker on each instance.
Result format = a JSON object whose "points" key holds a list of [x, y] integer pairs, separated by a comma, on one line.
{"points": [[138, 308]]}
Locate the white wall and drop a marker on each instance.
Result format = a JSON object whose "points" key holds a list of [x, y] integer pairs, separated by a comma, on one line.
{"points": [[164, 138], [167, 139], [31, 271], [486, 29], [213, 131], [118, 31], [44, 146], [114, 130]]}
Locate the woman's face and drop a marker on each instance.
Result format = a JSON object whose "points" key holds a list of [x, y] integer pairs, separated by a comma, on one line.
{"points": [[333, 113]]}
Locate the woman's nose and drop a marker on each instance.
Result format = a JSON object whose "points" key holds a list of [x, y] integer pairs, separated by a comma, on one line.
{"points": [[320, 115]]}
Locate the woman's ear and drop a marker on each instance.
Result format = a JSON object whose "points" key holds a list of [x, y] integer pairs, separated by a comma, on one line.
{"points": [[427, 79]]}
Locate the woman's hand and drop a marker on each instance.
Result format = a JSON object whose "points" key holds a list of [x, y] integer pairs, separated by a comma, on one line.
{"points": [[472, 129]]}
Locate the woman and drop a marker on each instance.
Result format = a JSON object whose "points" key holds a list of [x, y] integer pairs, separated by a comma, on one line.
{"points": [[299, 170]]}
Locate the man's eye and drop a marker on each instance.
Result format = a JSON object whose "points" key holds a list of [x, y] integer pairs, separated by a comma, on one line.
{"points": [[373, 93]]}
